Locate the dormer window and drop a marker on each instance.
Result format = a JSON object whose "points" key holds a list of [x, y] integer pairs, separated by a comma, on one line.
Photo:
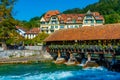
{"points": [[54, 18], [89, 17]]}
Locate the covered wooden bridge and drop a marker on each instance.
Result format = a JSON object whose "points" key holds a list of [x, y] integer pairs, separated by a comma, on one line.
{"points": [[100, 40]]}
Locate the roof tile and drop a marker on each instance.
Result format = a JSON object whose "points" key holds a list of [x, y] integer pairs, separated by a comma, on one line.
{"points": [[109, 31], [33, 31]]}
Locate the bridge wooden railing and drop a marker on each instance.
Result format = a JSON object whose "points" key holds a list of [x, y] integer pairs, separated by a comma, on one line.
{"points": [[85, 48]]}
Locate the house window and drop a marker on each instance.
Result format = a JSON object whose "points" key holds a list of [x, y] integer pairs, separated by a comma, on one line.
{"points": [[86, 21], [99, 21], [54, 22], [52, 27], [67, 26], [89, 17], [61, 27], [42, 22], [52, 30], [92, 21], [56, 26], [76, 26], [54, 18], [71, 26]]}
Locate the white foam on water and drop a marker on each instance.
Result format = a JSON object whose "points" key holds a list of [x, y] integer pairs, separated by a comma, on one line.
{"points": [[80, 64], [94, 73], [65, 74], [50, 76], [95, 68]]}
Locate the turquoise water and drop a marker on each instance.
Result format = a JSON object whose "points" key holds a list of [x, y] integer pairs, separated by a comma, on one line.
{"points": [[51, 71]]}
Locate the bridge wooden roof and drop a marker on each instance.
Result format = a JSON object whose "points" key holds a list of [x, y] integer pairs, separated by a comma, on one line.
{"points": [[103, 32]]}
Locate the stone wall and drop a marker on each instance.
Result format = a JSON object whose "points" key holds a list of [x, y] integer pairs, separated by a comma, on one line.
{"points": [[33, 47], [23, 53]]}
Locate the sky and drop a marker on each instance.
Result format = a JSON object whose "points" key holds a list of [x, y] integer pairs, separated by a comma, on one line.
{"points": [[27, 9]]}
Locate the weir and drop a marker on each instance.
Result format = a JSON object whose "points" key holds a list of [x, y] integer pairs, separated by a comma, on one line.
{"points": [[103, 57], [99, 45]]}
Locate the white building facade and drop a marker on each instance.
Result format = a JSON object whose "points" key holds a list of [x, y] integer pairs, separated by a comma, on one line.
{"points": [[28, 34], [53, 21], [21, 31], [32, 33]]}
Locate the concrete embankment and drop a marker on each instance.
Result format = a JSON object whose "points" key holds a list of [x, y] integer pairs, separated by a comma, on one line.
{"points": [[24, 56]]}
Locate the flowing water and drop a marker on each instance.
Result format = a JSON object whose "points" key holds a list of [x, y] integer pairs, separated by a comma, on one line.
{"points": [[51, 71]]}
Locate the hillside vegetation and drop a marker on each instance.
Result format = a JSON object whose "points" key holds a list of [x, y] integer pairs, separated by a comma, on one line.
{"points": [[110, 9]]}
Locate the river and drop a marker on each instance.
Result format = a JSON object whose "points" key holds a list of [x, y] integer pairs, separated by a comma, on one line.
{"points": [[51, 71]]}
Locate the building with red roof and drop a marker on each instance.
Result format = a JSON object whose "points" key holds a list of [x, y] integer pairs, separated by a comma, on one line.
{"points": [[28, 34], [21, 30], [54, 20], [32, 33]]}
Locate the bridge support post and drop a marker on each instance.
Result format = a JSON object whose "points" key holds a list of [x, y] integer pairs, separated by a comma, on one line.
{"points": [[88, 57], [59, 55], [90, 63]]}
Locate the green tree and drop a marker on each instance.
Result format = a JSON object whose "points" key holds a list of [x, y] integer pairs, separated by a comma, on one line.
{"points": [[40, 37], [14, 37], [7, 22], [108, 8], [34, 22], [112, 18], [75, 10], [28, 42]]}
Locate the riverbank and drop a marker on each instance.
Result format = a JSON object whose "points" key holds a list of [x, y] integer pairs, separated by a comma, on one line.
{"points": [[24, 60], [24, 56]]}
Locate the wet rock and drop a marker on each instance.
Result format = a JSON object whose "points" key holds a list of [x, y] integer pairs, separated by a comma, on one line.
{"points": [[59, 61], [90, 64]]}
